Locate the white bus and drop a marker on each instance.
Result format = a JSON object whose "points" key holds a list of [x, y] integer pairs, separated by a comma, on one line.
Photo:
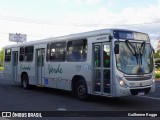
{"points": [[107, 62]]}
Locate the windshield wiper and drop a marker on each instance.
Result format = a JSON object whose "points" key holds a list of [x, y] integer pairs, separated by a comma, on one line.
{"points": [[142, 51], [132, 49], [136, 52]]}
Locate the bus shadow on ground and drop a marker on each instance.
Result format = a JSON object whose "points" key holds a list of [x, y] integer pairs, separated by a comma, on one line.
{"points": [[131, 101]]}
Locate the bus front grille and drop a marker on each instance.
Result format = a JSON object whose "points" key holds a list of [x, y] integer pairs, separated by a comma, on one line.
{"points": [[140, 78]]}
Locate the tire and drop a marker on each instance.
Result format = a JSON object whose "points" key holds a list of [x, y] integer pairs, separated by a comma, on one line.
{"points": [[25, 82], [81, 91]]}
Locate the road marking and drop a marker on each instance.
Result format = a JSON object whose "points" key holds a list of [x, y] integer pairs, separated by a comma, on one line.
{"points": [[62, 109], [150, 97]]}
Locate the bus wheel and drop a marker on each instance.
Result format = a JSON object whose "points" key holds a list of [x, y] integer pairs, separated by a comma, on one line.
{"points": [[25, 83], [81, 90]]}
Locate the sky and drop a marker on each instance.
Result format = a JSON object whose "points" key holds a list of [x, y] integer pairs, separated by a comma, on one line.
{"points": [[40, 19]]}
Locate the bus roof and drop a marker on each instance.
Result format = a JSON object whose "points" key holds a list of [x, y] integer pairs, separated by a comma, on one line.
{"points": [[76, 36]]}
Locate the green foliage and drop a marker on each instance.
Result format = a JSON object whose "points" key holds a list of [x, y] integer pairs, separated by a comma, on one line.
{"points": [[1, 57], [157, 61], [1, 68], [157, 55], [157, 75]]}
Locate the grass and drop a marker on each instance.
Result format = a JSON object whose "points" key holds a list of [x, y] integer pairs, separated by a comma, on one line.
{"points": [[1, 68]]}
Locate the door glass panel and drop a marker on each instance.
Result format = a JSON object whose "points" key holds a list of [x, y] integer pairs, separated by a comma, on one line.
{"points": [[106, 68], [97, 78], [106, 55], [97, 60], [39, 62], [102, 67], [15, 62], [40, 65], [43, 51], [106, 77]]}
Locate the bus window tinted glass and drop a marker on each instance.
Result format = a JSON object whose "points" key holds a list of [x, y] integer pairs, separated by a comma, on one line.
{"points": [[106, 55], [97, 55], [77, 50], [29, 53], [26, 53], [57, 51]]}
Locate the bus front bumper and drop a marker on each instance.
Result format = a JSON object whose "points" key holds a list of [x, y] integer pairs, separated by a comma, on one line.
{"points": [[121, 91]]}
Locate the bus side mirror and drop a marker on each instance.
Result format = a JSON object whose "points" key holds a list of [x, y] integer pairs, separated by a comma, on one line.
{"points": [[116, 49]]}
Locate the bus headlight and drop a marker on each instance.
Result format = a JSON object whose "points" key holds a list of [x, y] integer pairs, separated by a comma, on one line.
{"points": [[153, 81], [121, 82]]}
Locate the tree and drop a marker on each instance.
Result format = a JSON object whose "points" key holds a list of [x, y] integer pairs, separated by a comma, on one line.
{"points": [[1, 57], [157, 55]]}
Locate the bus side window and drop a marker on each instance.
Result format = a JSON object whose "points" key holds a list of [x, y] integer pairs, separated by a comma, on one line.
{"points": [[57, 51], [77, 51], [26, 53], [29, 53]]}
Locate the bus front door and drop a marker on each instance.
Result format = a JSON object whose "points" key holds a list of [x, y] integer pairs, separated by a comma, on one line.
{"points": [[40, 65], [15, 64], [101, 71]]}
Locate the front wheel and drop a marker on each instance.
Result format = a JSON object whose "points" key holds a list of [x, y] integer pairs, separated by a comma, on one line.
{"points": [[81, 90], [25, 82]]}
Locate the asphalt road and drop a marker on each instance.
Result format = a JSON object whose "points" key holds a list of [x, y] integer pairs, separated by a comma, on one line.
{"points": [[14, 98]]}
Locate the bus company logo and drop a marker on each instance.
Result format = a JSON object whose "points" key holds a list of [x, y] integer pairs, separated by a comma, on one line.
{"points": [[55, 70], [24, 67]]}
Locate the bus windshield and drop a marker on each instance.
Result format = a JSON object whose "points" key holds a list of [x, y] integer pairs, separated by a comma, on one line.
{"points": [[134, 58]]}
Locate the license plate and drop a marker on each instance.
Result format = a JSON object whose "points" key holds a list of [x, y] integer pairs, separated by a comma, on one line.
{"points": [[140, 93]]}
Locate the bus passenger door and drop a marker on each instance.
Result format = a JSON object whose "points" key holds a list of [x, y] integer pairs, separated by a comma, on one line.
{"points": [[101, 64], [15, 64], [40, 65]]}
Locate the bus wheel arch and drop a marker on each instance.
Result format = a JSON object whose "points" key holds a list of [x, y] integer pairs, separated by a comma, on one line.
{"points": [[79, 87], [25, 80]]}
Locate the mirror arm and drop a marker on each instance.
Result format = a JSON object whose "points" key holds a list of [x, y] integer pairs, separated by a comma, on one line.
{"points": [[116, 48]]}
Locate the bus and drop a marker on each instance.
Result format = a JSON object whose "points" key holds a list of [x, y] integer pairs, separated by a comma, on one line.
{"points": [[105, 62]]}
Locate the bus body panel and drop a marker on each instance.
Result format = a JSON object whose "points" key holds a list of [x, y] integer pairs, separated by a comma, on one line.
{"points": [[7, 70], [60, 75]]}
